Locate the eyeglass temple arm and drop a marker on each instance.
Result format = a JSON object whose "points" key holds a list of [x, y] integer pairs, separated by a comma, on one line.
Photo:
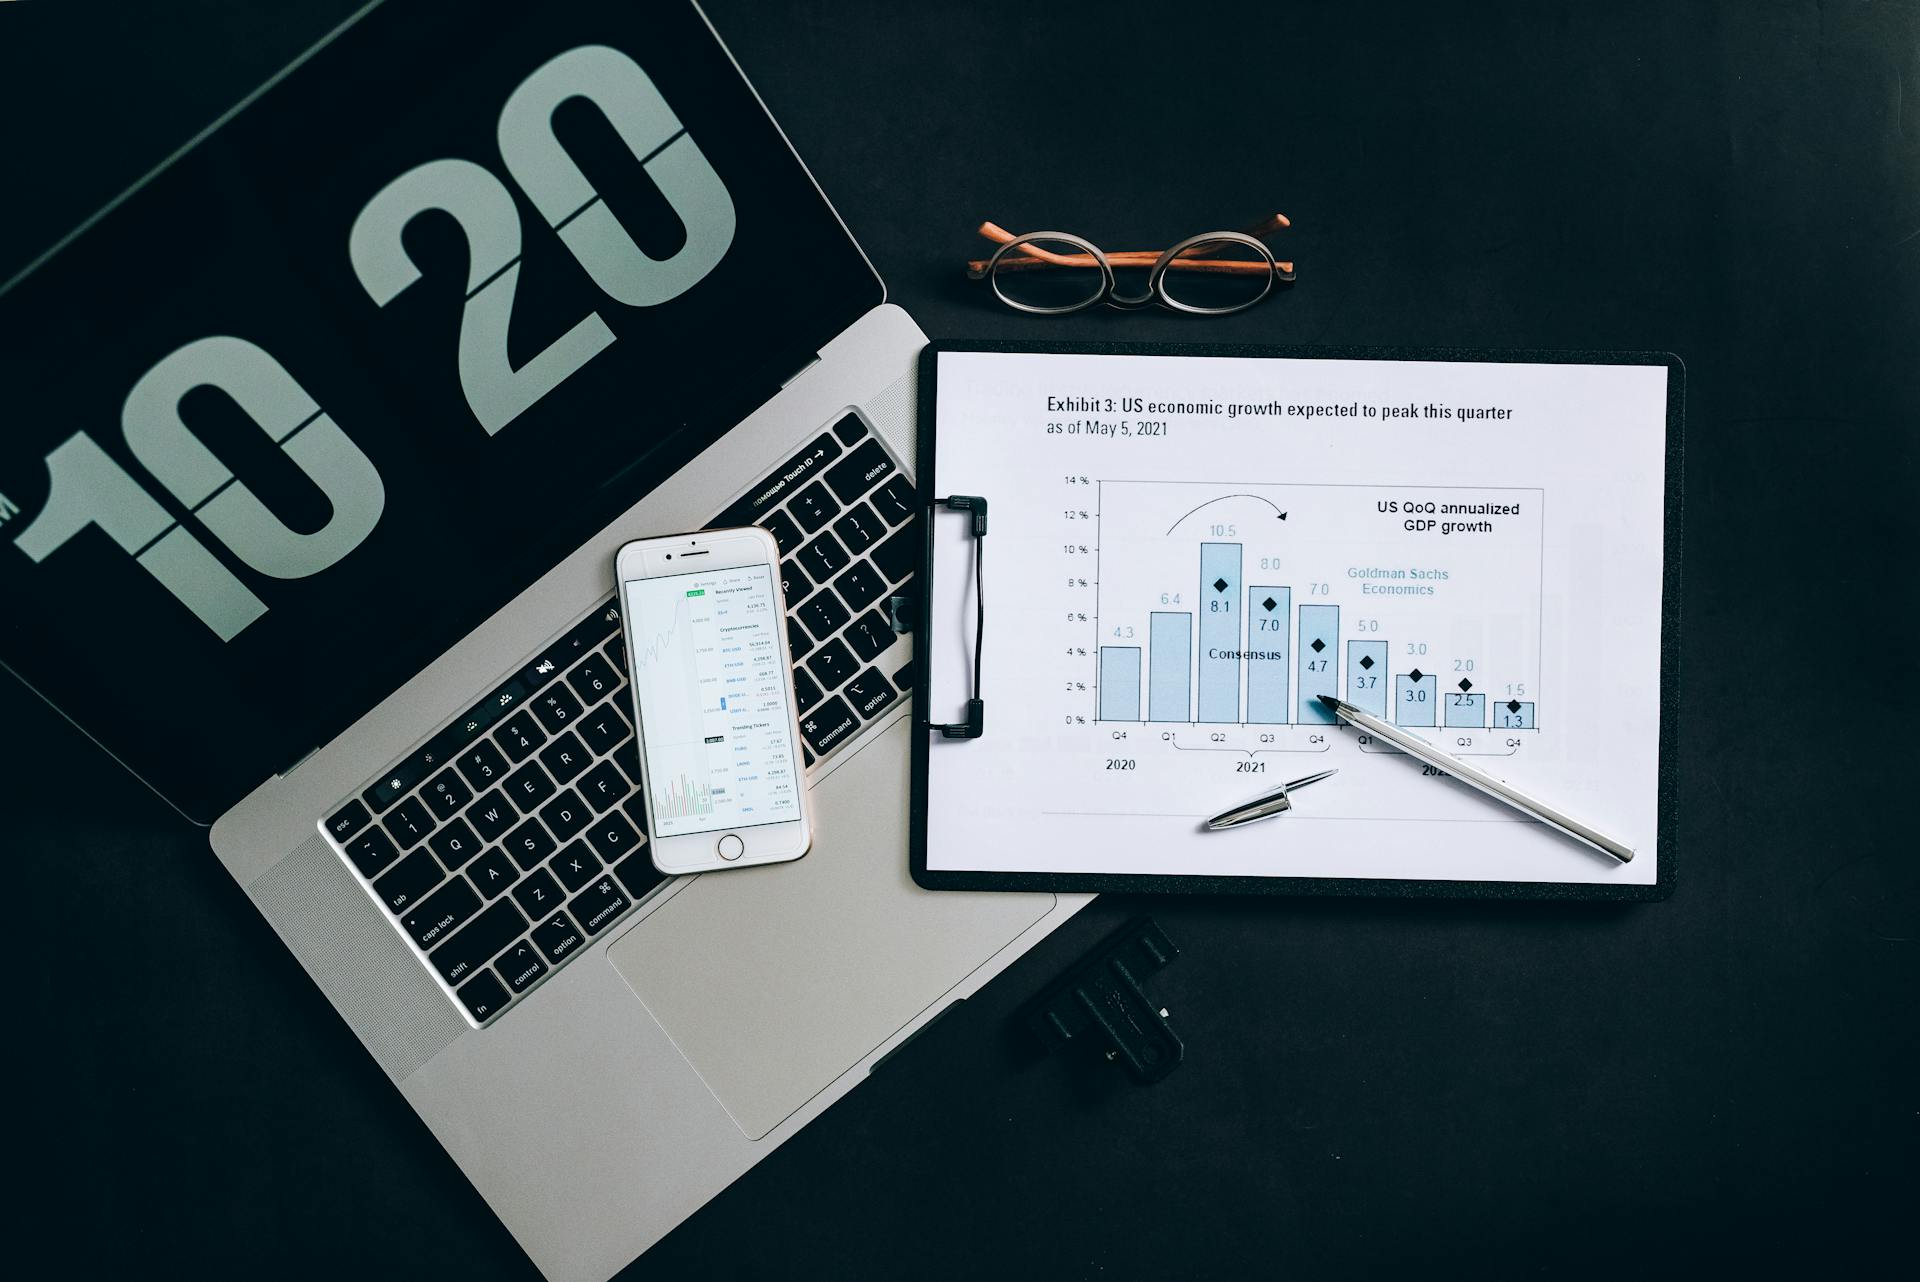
{"points": [[976, 268]]}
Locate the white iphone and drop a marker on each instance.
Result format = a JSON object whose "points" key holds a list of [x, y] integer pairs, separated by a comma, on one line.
{"points": [[720, 766]]}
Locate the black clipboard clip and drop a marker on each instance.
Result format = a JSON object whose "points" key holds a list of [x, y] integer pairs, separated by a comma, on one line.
{"points": [[976, 723]]}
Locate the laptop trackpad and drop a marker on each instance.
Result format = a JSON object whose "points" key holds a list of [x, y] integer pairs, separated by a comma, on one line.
{"points": [[773, 981]]}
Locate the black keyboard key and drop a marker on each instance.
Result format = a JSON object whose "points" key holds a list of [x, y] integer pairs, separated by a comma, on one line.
{"points": [[519, 736], [565, 757], [455, 844], [849, 429], [823, 614], [493, 872], [904, 678], [538, 893], [823, 558], [520, 967], [482, 765], [831, 665], [529, 844], [492, 815], [440, 914], [637, 873], [555, 707], [407, 880], [604, 727], [408, 823], [575, 866], [870, 635], [557, 938], [813, 507], [612, 837], [566, 814], [794, 583], [616, 653], [348, 820], [898, 555], [804, 691], [603, 786], [827, 725], [859, 529], [479, 941], [446, 794], [869, 693], [861, 585], [482, 996], [798, 642], [528, 786], [859, 471], [592, 679], [784, 531], [371, 851], [895, 500], [751, 507], [599, 905]]}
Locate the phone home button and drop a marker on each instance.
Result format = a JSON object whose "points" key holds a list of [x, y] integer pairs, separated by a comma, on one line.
{"points": [[731, 847]]}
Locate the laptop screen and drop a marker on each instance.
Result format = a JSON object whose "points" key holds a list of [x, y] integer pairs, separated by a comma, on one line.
{"points": [[321, 394]]}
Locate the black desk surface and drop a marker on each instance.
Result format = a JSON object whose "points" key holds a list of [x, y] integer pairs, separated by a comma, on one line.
{"points": [[1731, 1077]]}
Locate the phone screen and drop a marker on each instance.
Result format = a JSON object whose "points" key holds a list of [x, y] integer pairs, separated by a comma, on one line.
{"points": [[712, 690]]}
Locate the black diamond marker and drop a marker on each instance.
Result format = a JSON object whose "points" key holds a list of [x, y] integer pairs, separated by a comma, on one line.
{"points": [[1219, 585], [1465, 684], [1268, 605], [1318, 645], [1366, 661], [1513, 705], [1417, 675]]}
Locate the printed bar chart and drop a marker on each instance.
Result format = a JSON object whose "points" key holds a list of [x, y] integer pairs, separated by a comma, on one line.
{"points": [[1268, 612], [1414, 701], [1219, 632], [1466, 711], [1367, 676], [1119, 683], [1319, 647], [1169, 666]]}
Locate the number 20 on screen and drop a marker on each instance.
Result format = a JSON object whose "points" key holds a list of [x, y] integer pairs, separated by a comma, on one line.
{"points": [[87, 487]]}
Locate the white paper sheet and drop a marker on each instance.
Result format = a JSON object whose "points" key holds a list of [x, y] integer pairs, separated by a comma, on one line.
{"points": [[1476, 547]]}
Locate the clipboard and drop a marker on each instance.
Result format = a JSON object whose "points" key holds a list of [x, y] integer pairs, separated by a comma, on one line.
{"points": [[1143, 674]]}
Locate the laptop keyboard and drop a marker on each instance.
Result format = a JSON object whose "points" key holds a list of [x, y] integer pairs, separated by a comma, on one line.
{"points": [[516, 834]]}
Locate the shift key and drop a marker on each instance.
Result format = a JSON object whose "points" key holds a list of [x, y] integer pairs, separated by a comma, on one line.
{"points": [[479, 941]]}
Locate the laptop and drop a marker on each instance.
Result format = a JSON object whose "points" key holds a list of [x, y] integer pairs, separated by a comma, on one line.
{"points": [[321, 441]]}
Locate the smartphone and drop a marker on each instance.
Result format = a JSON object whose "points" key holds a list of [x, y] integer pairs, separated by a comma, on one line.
{"points": [[720, 765]]}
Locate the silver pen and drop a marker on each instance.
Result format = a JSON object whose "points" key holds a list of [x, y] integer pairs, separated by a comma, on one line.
{"points": [[1265, 806], [1418, 748]]}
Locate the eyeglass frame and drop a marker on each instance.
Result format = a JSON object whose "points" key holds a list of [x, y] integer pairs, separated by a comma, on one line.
{"points": [[1156, 289]]}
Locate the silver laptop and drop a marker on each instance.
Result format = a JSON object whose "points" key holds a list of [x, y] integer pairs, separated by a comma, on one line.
{"points": [[321, 440]]}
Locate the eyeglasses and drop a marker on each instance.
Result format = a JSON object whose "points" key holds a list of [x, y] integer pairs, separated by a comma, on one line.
{"points": [[1052, 273]]}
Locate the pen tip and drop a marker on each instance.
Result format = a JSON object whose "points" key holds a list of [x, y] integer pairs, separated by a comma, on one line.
{"points": [[1329, 701]]}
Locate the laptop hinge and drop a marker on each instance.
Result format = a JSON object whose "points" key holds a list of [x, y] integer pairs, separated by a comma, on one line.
{"points": [[794, 377], [298, 762]]}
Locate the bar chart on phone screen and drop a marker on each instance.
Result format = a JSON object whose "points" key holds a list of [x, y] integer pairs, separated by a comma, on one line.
{"points": [[1211, 616]]}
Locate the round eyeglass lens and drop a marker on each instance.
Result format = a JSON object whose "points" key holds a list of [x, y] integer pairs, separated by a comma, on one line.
{"points": [[1214, 276], [1041, 275]]}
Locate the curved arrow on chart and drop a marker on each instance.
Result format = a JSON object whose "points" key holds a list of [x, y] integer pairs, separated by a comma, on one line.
{"points": [[1223, 498]]}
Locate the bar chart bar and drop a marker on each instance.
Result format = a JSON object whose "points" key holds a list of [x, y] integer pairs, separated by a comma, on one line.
{"points": [[1367, 676], [1169, 665], [1119, 683], [1514, 714], [1319, 642], [1268, 612], [1467, 711], [1219, 632], [1414, 699]]}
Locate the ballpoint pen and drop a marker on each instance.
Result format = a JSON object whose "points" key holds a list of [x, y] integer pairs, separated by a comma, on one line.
{"points": [[1265, 806], [1419, 749]]}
